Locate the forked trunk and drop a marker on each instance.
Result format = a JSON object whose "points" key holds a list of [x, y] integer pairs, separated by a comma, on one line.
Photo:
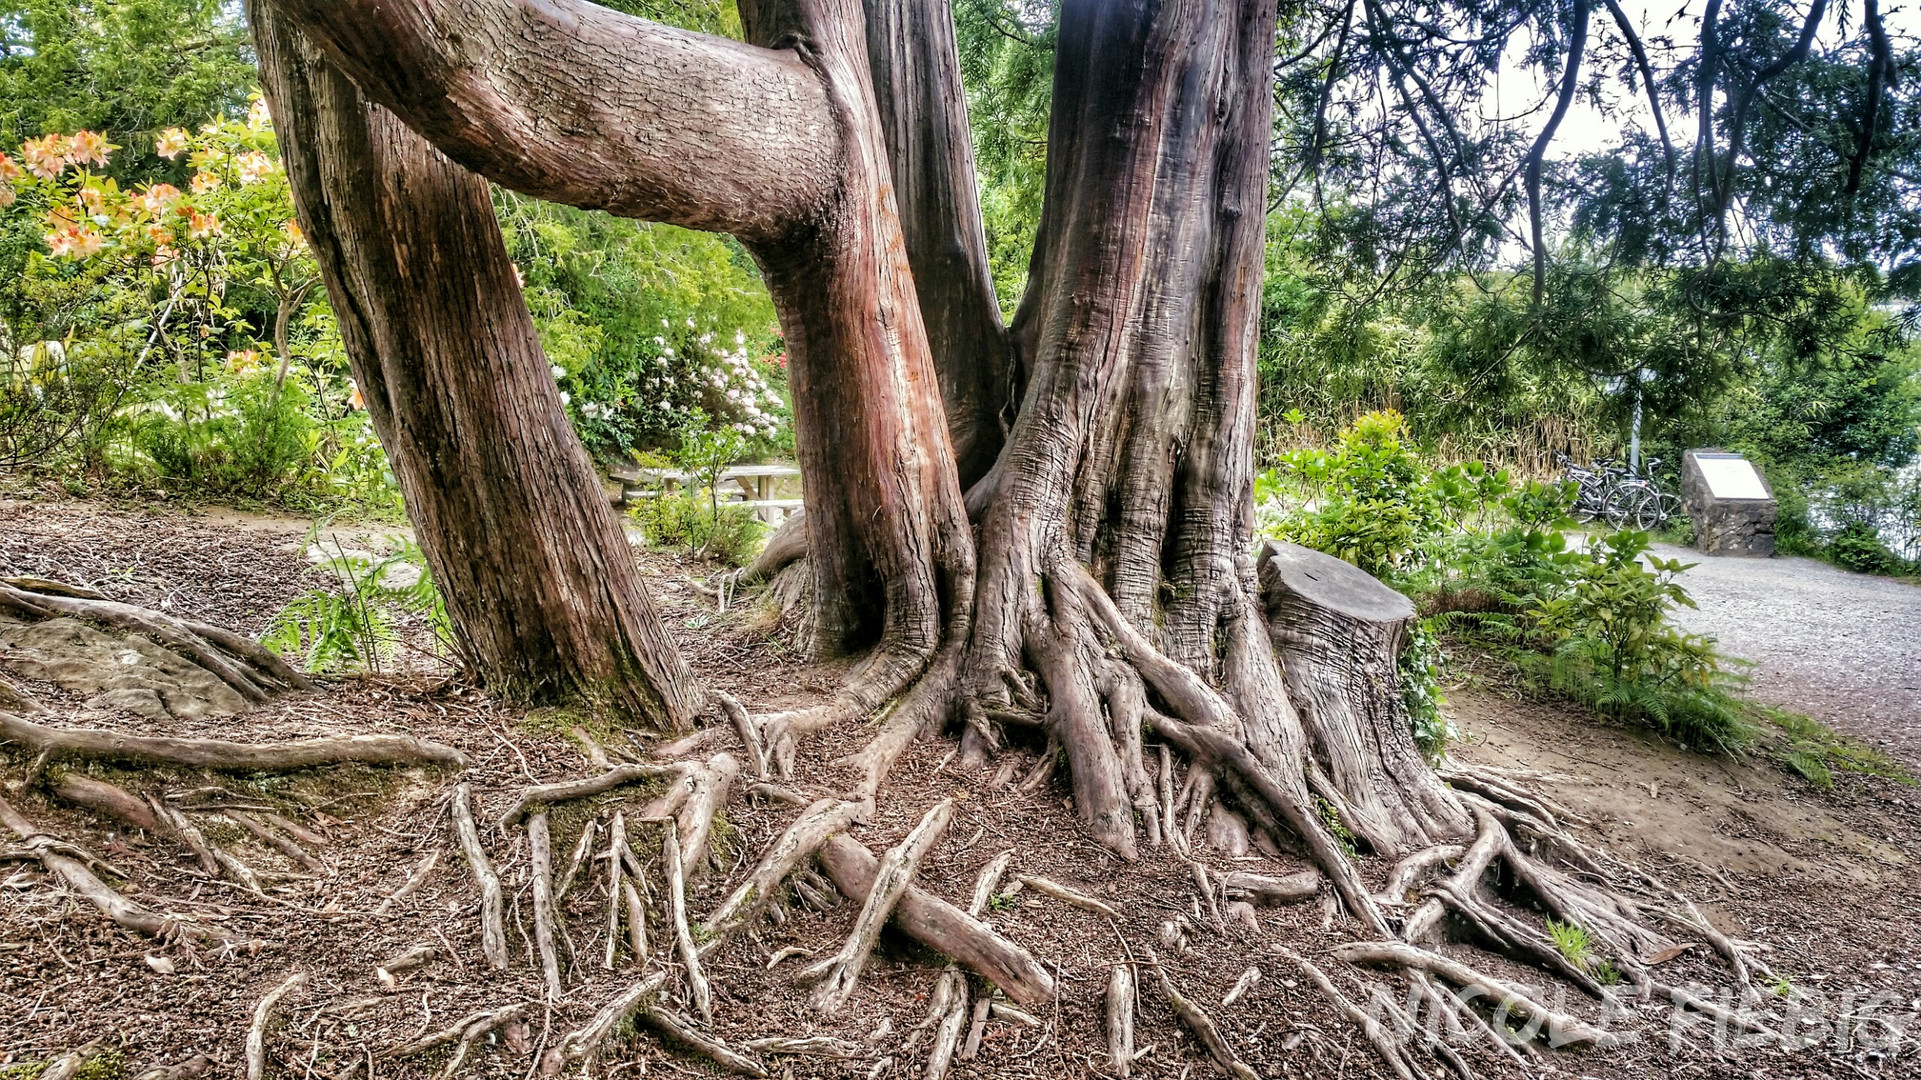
{"points": [[537, 577], [893, 555]]}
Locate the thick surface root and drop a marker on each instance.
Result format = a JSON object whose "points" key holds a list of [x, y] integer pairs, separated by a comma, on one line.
{"points": [[252, 671], [56, 744]]}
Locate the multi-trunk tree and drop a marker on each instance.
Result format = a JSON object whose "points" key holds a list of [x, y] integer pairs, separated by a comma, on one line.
{"points": [[1045, 525]]}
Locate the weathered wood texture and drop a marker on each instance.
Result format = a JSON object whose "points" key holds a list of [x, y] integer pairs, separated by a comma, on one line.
{"points": [[536, 573], [1339, 633]]}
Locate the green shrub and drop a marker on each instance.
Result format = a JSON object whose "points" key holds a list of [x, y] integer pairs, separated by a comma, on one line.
{"points": [[1371, 499], [1607, 642], [725, 532]]}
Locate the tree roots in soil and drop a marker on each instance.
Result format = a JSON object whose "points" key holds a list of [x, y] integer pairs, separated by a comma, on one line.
{"points": [[1102, 686]]}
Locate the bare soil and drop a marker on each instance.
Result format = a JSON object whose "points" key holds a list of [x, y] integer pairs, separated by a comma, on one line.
{"points": [[1825, 880]]}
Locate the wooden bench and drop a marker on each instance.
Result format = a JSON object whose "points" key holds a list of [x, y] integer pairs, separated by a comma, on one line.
{"points": [[754, 486]]}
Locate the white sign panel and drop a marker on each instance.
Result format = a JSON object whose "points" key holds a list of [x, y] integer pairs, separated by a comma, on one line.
{"points": [[1730, 476]]}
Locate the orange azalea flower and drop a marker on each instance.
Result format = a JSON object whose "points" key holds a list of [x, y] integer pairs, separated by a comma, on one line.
{"points": [[258, 116], [10, 169], [204, 182], [161, 236], [355, 400], [293, 231], [46, 156], [200, 226], [87, 147], [171, 144], [253, 166], [92, 199], [158, 197], [75, 242], [242, 361]]}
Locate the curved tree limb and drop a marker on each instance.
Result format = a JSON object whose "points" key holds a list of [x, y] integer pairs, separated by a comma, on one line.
{"points": [[572, 102]]}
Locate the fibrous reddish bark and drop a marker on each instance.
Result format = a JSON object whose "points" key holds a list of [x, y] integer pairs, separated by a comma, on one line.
{"points": [[1108, 590], [535, 571]]}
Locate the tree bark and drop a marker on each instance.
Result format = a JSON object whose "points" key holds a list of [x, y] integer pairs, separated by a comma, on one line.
{"points": [[892, 554], [1132, 454], [914, 58], [537, 577], [1339, 633]]}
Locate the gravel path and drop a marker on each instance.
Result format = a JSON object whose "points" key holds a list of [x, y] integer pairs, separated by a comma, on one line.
{"points": [[1844, 648]]}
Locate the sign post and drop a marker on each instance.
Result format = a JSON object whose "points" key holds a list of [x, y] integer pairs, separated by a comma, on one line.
{"points": [[1730, 503]]}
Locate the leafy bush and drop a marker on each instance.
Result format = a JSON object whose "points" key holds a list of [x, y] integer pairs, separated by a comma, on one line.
{"points": [[1607, 641], [729, 533], [1372, 501], [1489, 562]]}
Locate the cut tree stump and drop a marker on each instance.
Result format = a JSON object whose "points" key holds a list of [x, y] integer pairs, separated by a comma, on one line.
{"points": [[1339, 633]]}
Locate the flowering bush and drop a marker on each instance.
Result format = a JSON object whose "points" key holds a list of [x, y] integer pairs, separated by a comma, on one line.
{"points": [[202, 301], [648, 327]]}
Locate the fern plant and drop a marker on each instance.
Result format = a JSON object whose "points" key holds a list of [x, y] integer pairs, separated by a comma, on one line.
{"points": [[359, 625]]}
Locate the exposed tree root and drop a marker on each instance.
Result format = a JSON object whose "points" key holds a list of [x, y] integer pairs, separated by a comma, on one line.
{"points": [[584, 1043], [1263, 891], [547, 794], [822, 1046], [465, 1034], [252, 671], [218, 754], [1066, 895], [416, 877], [697, 988], [798, 843], [943, 927], [681, 1030], [61, 861], [895, 872], [1197, 1021], [103, 798], [189, 1069], [1560, 1029], [541, 853], [279, 843], [1120, 1020], [263, 1019], [493, 929]]}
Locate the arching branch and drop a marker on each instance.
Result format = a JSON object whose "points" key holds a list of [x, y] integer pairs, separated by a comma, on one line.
{"points": [[568, 101], [1881, 74], [1570, 81], [1647, 77]]}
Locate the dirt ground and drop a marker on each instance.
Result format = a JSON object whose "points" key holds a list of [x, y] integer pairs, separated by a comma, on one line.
{"points": [[1823, 882]]}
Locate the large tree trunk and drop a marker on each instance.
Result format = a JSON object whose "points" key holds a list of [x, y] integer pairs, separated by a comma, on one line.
{"points": [[537, 577], [893, 556], [1132, 454], [923, 113]]}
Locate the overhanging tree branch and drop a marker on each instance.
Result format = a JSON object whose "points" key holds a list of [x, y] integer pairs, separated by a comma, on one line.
{"points": [[571, 102], [1570, 81]]}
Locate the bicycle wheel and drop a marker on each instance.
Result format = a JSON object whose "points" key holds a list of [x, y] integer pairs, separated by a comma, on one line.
{"points": [[1646, 513], [1587, 504], [1619, 508]]}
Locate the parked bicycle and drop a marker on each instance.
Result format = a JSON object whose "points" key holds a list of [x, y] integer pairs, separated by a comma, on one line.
{"points": [[1619, 495]]}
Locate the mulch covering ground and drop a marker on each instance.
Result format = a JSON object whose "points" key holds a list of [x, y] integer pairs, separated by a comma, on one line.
{"points": [[68, 976]]}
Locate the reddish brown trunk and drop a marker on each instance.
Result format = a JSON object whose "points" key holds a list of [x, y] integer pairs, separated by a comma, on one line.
{"points": [[923, 116], [894, 556], [537, 577]]}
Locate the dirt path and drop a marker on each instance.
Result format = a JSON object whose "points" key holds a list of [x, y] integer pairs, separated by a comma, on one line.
{"points": [[1844, 648]]}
